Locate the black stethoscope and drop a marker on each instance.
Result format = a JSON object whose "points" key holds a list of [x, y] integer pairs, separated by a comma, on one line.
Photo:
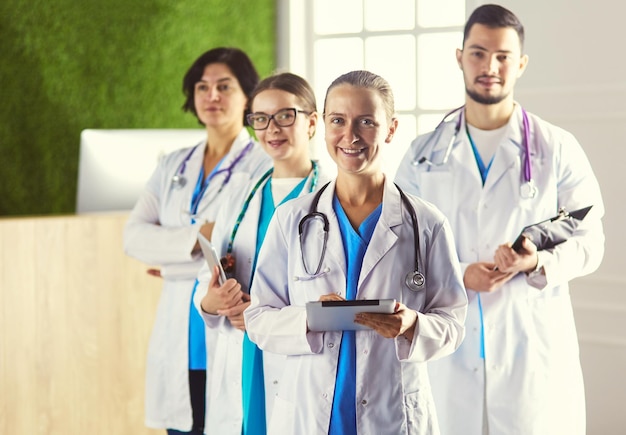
{"points": [[414, 280], [528, 189], [179, 180]]}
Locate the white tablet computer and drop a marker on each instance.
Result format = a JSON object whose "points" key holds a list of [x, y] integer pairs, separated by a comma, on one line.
{"points": [[339, 315], [210, 255]]}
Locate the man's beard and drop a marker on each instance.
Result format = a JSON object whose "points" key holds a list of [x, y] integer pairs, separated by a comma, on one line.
{"points": [[491, 99]]}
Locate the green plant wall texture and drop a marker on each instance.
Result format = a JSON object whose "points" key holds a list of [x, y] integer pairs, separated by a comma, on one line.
{"points": [[68, 65]]}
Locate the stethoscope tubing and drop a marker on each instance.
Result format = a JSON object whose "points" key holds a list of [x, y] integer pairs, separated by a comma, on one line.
{"points": [[179, 180], [435, 136], [414, 280]]}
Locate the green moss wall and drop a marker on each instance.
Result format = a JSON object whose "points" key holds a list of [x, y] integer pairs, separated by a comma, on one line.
{"points": [[67, 65]]}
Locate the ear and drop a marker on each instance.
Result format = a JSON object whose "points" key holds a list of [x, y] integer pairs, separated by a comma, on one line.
{"points": [[523, 62], [313, 118], [393, 127], [459, 56]]}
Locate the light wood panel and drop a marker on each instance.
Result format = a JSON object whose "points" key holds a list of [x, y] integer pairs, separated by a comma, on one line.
{"points": [[75, 317]]}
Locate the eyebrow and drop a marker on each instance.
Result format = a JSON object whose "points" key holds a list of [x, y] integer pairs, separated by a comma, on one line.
{"points": [[224, 79], [279, 110], [480, 47]]}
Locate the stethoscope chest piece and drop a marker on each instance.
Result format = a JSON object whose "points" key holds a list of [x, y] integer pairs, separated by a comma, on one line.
{"points": [[528, 189], [178, 181], [415, 280]]}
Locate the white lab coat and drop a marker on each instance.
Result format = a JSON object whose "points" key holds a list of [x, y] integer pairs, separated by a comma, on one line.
{"points": [[224, 407], [159, 232], [392, 388], [531, 376]]}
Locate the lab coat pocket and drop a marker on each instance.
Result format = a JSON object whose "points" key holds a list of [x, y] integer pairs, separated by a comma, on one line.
{"points": [[420, 413], [283, 417], [434, 187]]}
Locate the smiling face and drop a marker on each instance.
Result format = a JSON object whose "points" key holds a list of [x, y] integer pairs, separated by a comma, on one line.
{"points": [[218, 97], [356, 126], [284, 144], [491, 62]]}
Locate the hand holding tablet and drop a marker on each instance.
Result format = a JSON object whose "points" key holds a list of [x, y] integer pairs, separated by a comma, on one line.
{"points": [[339, 315]]}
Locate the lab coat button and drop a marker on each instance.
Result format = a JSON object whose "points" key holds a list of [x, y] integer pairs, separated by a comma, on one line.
{"points": [[363, 402], [365, 352], [331, 345], [324, 395]]}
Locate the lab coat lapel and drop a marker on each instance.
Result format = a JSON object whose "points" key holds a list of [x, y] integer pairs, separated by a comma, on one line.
{"points": [[248, 232], [384, 237], [508, 157], [463, 162], [217, 183], [336, 257]]}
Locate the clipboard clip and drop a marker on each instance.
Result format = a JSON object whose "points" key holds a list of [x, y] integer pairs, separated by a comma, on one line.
{"points": [[562, 214]]}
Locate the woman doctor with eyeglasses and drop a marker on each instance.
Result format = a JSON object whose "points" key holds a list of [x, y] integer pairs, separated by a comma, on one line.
{"points": [[243, 379], [180, 200]]}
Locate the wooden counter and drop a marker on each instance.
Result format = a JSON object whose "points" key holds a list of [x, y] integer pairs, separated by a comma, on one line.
{"points": [[75, 318]]}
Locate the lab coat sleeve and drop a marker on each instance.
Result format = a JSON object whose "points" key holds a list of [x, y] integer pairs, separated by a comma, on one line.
{"points": [[440, 325], [146, 239], [271, 321], [578, 187]]}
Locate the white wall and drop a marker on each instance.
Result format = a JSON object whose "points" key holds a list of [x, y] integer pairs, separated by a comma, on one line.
{"points": [[576, 78]]}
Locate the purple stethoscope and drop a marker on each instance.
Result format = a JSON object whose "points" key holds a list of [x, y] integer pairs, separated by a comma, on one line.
{"points": [[527, 190], [179, 180]]}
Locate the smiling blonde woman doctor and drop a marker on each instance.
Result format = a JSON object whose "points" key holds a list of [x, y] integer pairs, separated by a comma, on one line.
{"points": [[369, 381]]}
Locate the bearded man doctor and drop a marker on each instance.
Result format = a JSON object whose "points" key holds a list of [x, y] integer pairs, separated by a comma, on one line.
{"points": [[493, 168]]}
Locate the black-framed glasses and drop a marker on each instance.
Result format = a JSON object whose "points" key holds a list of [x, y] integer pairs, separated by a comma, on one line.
{"points": [[282, 118]]}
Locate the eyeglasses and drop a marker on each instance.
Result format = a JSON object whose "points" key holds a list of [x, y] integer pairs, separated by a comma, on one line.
{"points": [[282, 118]]}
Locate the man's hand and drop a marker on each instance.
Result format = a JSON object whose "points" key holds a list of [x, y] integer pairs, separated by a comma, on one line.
{"points": [[507, 260], [485, 277]]}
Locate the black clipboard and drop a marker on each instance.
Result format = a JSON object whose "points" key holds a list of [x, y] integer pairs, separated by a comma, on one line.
{"points": [[339, 315], [551, 232]]}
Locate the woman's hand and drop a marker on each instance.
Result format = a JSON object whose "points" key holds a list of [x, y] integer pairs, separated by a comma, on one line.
{"points": [[235, 314], [154, 272], [221, 297], [401, 322]]}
